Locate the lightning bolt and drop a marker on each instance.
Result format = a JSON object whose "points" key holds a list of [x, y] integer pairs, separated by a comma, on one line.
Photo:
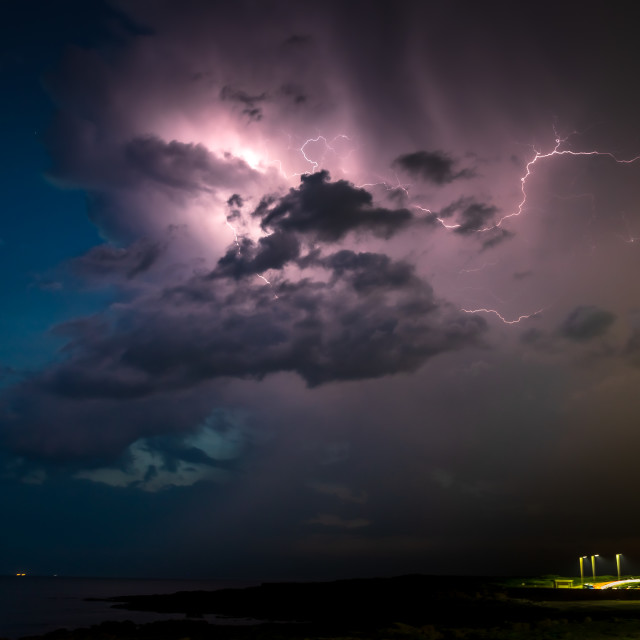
{"points": [[539, 156], [388, 187], [275, 295], [328, 147], [235, 235], [438, 218], [556, 151], [516, 321]]}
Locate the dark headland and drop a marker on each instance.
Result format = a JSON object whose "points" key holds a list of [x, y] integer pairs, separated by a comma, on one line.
{"points": [[403, 608]]}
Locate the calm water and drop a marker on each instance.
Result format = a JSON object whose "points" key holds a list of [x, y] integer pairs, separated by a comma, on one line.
{"points": [[31, 606]]}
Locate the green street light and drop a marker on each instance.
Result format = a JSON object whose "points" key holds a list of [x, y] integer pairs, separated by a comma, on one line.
{"points": [[618, 563], [582, 569], [593, 565]]}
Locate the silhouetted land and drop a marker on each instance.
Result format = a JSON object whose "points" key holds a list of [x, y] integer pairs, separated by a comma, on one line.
{"points": [[404, 608]]}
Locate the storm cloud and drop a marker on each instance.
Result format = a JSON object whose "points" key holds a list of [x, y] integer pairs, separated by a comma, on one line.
{"points": [[109, 261], [188, 167], [586, 323], [436, 167], [329, 210], [338, 288], [471, 216], [375, 309]]}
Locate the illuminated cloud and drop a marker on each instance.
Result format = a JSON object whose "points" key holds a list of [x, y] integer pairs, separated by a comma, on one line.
{"points": [[152, 464], [185, 166]]}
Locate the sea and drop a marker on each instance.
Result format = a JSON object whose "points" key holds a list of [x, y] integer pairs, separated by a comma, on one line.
{"points": [[32, 605]]}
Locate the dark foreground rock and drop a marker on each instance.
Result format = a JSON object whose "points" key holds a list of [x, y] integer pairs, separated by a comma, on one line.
{"points": [[413, 599], [405, 608], [550, 628]]}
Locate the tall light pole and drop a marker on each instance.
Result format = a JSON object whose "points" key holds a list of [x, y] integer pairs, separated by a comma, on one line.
{"points": [[593, 565], [582, 569], [618, 563]]}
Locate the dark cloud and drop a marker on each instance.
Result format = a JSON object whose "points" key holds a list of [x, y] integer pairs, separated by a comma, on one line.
{"points": [[61, 423], [173, 450], [235, 201], [532, 336], [368, 272], [494, 236], [330, 210], [436, 167], [472, 216], [248, 333], [159, 351], [586, 322], [294, 92], [185, 166], [253, 258], [248, 102], [540, 340], [106, 260], [33, 29], [139, 186]]}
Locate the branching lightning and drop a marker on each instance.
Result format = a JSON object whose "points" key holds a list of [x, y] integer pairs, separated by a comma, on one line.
{"points": [[328, 147], [314, 167], [556, 151], [314, 162]]}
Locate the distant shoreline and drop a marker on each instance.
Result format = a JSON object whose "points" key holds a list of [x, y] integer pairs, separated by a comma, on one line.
{"points": [[367, 607]]}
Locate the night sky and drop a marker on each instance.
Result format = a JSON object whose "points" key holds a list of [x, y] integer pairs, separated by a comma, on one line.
{"points": [[306, 290]]}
